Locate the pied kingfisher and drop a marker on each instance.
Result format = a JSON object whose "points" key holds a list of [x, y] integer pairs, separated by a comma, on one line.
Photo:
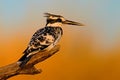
{"points": [[46, 38]]}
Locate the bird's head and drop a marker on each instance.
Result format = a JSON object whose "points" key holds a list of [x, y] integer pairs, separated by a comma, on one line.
{"points": [[58, 20]]}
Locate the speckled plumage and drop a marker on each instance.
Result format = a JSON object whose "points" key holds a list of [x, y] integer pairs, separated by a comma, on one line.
{"points": [[43, 39]]}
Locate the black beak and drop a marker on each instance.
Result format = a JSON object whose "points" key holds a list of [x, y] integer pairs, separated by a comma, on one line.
{"points": [[72, 23]]}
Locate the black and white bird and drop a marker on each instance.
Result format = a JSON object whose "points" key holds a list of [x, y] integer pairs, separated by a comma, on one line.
{"points": [[46, 38]]}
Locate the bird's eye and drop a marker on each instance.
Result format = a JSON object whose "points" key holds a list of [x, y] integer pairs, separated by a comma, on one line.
{"points": [[59, 20]]}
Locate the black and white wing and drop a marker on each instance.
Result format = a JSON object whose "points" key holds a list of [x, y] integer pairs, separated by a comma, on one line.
{"points": [[39, 41], [45, 38]]}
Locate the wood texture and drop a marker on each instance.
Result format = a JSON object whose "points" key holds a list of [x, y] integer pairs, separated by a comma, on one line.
{"points": [[29, 69]]}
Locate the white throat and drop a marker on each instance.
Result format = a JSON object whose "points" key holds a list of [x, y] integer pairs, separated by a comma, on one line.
{"points": [[56, 24]]}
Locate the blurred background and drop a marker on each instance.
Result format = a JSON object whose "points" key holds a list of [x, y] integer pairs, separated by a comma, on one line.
{"points": [[91, 52]]}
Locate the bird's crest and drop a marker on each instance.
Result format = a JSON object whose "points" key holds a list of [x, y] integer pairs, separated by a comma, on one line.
{"points": [[49, 14]]}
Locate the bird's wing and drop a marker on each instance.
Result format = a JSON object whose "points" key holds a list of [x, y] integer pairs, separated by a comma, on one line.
{"points": [[40, 40]]}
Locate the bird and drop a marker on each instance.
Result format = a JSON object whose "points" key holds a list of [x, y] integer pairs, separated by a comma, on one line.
{"points": [[47, 37]]}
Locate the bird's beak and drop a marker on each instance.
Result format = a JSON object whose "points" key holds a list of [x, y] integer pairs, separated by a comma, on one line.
{"points": [[72, 23]]}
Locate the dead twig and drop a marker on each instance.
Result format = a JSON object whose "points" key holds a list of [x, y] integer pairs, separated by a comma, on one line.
{"points": [[14, 69]]}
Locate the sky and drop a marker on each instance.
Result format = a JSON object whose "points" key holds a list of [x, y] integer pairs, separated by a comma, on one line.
{"points": [[104, 15], [100, 36]]}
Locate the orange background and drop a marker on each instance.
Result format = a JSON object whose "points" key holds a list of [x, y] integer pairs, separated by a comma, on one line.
{"points": [[87, 53]]}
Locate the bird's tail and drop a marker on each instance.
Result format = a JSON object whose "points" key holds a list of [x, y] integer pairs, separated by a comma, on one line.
{"points": [[23, 60]]}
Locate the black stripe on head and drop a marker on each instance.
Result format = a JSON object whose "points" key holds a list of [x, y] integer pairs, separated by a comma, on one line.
{"points": [[59, 20], [53, 20]]}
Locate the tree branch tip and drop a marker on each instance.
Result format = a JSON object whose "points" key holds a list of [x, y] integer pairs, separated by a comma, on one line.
{"points": [[31, 70]]}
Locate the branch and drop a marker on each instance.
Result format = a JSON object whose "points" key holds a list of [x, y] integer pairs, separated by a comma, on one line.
{"points": [[14, 69]]}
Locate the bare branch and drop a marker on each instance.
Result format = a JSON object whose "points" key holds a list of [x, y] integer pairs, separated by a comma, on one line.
{"points": [[14, 69]]}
